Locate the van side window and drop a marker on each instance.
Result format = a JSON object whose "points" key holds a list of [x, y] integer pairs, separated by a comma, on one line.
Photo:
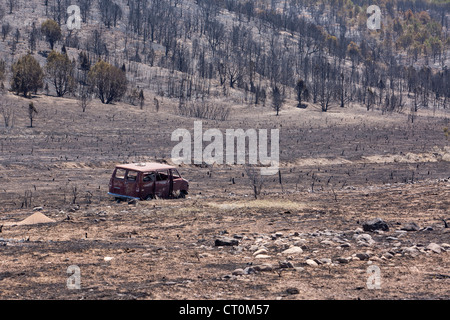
{"points": [[162, 176], [132, 176], [149, 177], [175, 174], [120, 174]]}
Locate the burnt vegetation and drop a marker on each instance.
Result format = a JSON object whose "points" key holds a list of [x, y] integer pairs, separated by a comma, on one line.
{"points": [[258, 49]]}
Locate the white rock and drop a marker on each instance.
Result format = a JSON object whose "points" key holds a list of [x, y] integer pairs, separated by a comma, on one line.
{"points": [[434, 247], [325, 261], [260, 251], [108, 258], [293, 250], [311, 262], [238, 272], [300, 242], [262, 256]]}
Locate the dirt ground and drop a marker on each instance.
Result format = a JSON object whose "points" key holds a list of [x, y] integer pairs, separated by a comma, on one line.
{"points": [[338, 170]]}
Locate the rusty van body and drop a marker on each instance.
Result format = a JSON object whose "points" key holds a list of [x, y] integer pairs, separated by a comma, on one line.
{"points": [[145, 181]]}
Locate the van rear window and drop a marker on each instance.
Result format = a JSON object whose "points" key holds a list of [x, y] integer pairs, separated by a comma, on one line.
{"points": [[120, 174]]}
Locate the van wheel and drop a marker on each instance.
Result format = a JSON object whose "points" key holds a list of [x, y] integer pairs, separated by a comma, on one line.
{"points": [[182, 194], [149, 197]]}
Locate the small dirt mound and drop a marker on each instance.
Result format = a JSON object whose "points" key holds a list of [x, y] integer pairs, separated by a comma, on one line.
{"points": [[35, 218]]}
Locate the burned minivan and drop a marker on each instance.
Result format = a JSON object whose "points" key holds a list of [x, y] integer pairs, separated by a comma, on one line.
{"points": [[146, 181]]}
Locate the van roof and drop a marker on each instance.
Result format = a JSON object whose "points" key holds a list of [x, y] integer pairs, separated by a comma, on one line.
{"points": [[145, 167]]}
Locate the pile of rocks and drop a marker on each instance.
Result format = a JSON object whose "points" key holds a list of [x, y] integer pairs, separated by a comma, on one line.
{"points": [[375, 242]]}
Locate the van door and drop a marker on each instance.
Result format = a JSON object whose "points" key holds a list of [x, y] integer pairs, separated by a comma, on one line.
{"points": [[148, 185], [131, 184], [162, 184], [118, 182], [177, 181]]}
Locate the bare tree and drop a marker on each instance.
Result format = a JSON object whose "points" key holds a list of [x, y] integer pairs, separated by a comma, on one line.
{"points": [[6, 29], [84, 97], [31, 113], [141, 99], [277, 99], [7, 111], [255, 179]]}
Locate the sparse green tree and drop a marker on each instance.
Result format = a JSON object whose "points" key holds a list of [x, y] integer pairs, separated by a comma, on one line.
{"points": [[60, 71], [107, 81], [27, 75], [52, 31]]}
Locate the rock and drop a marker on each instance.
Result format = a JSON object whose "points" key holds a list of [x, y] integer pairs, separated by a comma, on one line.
{"points": [[285, 264], [292, 291], [225, 241], [264, 267], [299, 269], [375, 259], [260, 251], [434, 247], [38, 209], [293, 250], [228, 277], [108, 258], [238, 272], [133, 202], [445, 246], [249, 270], [410, 226], [281, 244], [387, 255], [325, 261], [262, 256], [343, 260], [364, 239], [278, 234], [362, 256], [375, 224], [328, 242], [301, 243], [400, 233], [413, 251], [391, 238], [345, 245], [311, 262], [358, 230]]}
